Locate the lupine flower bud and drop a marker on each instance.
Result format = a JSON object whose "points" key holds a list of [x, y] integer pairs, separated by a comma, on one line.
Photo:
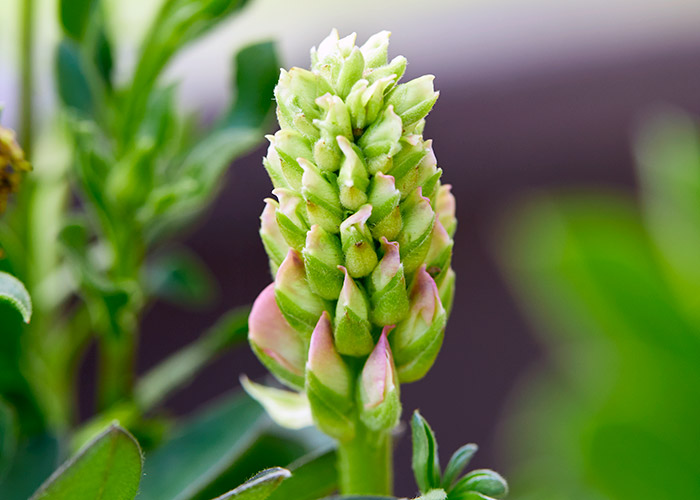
{"points": [[417, 339], [380, 405], [387, 285], [299, 305], [275, 342], [358, 245], [353, 334], [322, 256], [273, 241], [329, 383], [361, 216]]}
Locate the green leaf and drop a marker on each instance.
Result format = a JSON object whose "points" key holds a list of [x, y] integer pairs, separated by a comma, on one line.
{"points": [[8, 438], [202, 448], [34, 460], [459, 461], [313, 476], [180, 368], [426, 463], [180, 277], [103, 58], [260, 487], [71, 79], [484, 481], [13, 292], [287, 408], [108, 468], [74, 15], [433, 495]]}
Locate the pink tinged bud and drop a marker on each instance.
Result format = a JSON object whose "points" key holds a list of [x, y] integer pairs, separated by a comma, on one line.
{"points": [[329, 384], [273, 165], [417, 339], [357, 243], [385, 220], [388, 296], [322, 256], [322, 198], [278, 346], [353, 178], [299, 305], [380, 142], [413, 100], [291, 145], [440, 252], [275, 245], [353, 336], [414, 239], [375, 49], [380, 408], [446, 287], [445, 206], [291, 217]]}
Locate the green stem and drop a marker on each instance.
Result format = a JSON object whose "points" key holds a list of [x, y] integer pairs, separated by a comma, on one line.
{"points": [[27, 76], [116, 368], [365, 463]]}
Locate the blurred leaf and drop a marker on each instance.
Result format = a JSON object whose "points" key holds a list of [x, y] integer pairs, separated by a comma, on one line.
{"points": [[34, 460], [180, 369], [13, 292], [259, 487], [459, 461], [426, 463], [180, 277], [107, 468], [286, 408], [483, 481], [75, 15], [103, 58], [71, 79], [313, 476], [201, 449], [8, 438]]}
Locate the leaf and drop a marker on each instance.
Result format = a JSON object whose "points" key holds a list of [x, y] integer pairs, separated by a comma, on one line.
{"points": [[74, 15], [484, 481], [459, 461], [202, 448], [180, 277], [8, 438], [71, 79], [13, 292], [180, 368], [426, 464], [34, 460], [260, 487], [313, 476], [433, 495], [107, 468], [286, 408]]}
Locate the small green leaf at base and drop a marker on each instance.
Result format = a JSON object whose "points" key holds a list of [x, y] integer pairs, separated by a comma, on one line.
{"points": [[14, 293], [259, 487], [108, 468], [426, 464]]}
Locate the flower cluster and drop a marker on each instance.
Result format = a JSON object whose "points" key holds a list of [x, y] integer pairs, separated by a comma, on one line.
{"points": [[359, 236]]}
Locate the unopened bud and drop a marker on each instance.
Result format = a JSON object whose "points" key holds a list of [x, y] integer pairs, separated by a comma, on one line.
{"points": [[299, 305], [440, 252], [353, 334], [275, 245], [273, 165], [446, 287], [445, 206], [414, 239], [322, 256], [413, 100], [322, 198], [387, 286], [357, 243], [329, 384], [380, 142], [290, 146], [353, 178], [385, 220], [291, 217], [419, 174], [335, 122], [380, 406], [278, 346], [295, 94], [395, 69], [365, 101], [418, 338], [375, 49]]}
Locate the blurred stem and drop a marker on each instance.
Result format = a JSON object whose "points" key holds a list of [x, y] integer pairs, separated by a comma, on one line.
{"points": [[26, 76], [117, 353], [365, 463]]}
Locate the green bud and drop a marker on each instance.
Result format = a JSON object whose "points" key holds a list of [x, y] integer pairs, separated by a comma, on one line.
{"points": [[353, 335], [350, 72], [299, 305], [322, 256], [414, 239], [387, 287], [385, 220], [322, 198], [357, 243], [420, 173], [440, 252], [413, 100], [338, 61], [296, 93], [291, 146], [446, 287], [336, 122], [445, 206], [273, 165], [291, 217], [329, 384], [275, 245], [278, 346], [418, 338], [365, 101], [380, 142], [395, 69], [375, 50], [353, 178], [379, 402]]}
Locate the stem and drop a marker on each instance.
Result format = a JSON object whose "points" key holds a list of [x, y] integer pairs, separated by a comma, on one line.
{"points": [[27, 77], [365, 463], [116, 368]]}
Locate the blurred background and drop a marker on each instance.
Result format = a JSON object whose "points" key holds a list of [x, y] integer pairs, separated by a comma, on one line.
{"points": [[536, 95]]}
